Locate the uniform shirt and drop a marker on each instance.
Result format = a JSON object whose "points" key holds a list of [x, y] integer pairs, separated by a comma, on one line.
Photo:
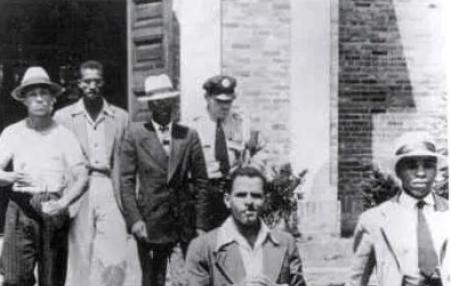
{"points": [[45, 155], [164, 135], [238, 134], [252, 257], [409, 205]]}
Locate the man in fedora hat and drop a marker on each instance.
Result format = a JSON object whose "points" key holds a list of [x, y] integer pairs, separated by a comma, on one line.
{"points": [[47, 176], [162, 158], [98, 227], [405, 238], [228, 141]]}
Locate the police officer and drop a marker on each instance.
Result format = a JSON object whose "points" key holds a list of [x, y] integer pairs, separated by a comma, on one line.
{"points": [[227, 142]]}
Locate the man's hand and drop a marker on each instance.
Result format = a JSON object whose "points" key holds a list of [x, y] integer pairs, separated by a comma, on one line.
{"points": [[139, 230], [259, 280], [54, 207], [20, 178]]}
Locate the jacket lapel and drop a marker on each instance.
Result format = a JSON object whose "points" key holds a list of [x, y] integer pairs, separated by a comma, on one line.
{"points": [[392, 231], [110, 132], [229, 263], [151, 144], [178, 138], [80, 131], [273, 255]]}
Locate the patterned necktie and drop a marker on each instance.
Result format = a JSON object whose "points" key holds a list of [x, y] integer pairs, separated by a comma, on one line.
{"points": [[163, 128], [221, 149], [427, 258]]}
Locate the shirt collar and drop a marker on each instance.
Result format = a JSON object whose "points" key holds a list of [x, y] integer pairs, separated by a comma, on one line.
{"points": [[106, 109], [157, 126], [411, 202], [228, 233]]}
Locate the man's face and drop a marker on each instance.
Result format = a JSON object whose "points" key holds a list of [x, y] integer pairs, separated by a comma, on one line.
{"points": [[39, 101], [219, 109], [246, 200], [91, 83], [417, 175], [163, 109]]}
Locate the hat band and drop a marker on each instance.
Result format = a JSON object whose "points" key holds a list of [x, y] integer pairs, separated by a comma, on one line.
{"points": [[36, 80], [160, 90], [410, 148]]}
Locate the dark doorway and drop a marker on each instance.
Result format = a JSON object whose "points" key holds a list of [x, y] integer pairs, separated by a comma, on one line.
{"points": [[59, 35]]}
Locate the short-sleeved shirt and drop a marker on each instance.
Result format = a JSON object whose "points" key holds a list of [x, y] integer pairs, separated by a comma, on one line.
{"points": [[47, 156]]}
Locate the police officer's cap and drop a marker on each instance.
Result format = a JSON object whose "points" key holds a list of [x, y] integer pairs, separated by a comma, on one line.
{"points": [[222, 87]]}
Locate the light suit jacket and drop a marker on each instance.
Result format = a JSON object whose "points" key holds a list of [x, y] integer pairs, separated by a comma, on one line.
{"points": [[378, 243], [208, 263], [116, 121]]}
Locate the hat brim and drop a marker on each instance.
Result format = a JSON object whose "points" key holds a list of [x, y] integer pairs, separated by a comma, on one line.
{"points": [[224, 96], [442, 161], [18, 94], [158, 96]]}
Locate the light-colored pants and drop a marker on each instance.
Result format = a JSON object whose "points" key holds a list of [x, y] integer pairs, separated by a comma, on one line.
{"points": [[97, 238]]}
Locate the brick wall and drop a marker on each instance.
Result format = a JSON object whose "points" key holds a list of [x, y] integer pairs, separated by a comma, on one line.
{"points": [[255, 50], [391, 79]]}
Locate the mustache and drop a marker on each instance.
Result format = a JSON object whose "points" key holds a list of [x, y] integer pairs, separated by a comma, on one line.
{"points": [[250, 208]]}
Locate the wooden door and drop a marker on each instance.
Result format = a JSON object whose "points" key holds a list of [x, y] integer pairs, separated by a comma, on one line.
{"points": [[150, 48]]}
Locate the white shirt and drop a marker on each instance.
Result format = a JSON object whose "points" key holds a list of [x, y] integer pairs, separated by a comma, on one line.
{"points": [[164, 136], [44, 155], [409, 204], [96, 139], [252, 257]]}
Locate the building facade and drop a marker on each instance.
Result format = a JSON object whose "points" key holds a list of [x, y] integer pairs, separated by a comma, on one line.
{"points": [[330, 83]]}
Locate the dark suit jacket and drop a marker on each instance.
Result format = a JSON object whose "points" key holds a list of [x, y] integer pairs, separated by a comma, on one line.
{"points": [[209, 264], [164, 200]]}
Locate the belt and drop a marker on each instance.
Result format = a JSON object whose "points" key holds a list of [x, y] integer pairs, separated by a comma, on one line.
{"points": [[99, 172], [422, 281], [36, 190]]}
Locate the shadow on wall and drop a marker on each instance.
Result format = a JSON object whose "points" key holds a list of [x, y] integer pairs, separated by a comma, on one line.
{"points": [[373, 79]]}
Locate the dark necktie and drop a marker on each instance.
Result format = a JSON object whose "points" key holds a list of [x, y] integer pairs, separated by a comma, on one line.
{"points": [[427, 258], [221, 149]]}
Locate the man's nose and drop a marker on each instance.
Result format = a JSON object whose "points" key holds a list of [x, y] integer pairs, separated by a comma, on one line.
{"points": [[420, 170], [40, 97], [248, 200]]}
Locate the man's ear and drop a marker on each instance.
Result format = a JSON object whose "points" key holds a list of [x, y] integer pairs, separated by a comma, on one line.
{"points": [[227, 198]]}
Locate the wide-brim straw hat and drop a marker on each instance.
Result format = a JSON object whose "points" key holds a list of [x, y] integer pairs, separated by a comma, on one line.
{"points": [[416, 144], [158, 87], [35, 76]]}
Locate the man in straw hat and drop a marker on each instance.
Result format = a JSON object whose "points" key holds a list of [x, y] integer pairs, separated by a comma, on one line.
{"points": [[162, 158], [405, 238], [98, 227], [46, 157]]}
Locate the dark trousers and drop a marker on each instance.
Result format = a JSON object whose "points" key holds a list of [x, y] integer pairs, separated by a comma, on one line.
{"points": [[216, 209], [154, 259], [31, 239]]}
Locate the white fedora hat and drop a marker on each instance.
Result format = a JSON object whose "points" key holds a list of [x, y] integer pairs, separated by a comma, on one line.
{"points": [[35, 76], [158, 87], [416, 144]]}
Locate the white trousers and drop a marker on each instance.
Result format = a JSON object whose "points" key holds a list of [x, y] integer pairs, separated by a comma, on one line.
{"points": [[97, 239]]}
